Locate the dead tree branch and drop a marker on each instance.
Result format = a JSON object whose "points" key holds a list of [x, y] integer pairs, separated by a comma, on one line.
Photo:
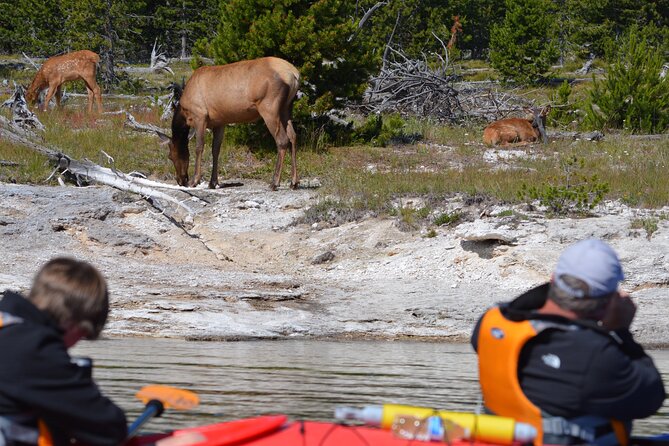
{"points": [[366, 17], [131, 122], [21, 115], [434, 90]]}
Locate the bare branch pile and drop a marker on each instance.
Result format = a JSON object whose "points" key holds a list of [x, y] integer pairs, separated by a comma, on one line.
{"points": [[413, 87]]}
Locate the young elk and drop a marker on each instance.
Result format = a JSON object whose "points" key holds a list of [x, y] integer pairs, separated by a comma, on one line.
{"points": [[66, 67], [518, 130], [239, 92]]}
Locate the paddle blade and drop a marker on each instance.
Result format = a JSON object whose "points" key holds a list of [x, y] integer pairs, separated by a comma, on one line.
{"points": [[171, 397]]}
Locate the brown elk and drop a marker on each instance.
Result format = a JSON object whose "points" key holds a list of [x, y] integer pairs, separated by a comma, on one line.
{"points": [[239, 92], [66, 67], [518, 130]]}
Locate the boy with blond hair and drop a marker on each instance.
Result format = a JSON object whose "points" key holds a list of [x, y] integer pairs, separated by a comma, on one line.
{"points": [[43, 393]]}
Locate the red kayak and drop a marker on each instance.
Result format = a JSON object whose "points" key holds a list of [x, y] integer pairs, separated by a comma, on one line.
{"points": [[276, 430]]}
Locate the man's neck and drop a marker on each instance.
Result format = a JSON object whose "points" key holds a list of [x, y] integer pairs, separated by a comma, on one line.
{"points": [[552, 308]]}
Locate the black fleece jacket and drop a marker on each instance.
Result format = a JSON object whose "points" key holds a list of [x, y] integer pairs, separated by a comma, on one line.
{"points": [[570, 373], [37, 377]]}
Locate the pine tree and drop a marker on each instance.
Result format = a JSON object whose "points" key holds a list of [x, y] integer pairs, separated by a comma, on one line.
{"points": [[523, 46], [105, 26], [314, 36], [32, 27], [179, 24], [633, 96]]}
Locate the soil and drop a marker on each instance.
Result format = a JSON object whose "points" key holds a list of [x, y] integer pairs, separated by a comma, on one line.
{"points": [[241, 268]]}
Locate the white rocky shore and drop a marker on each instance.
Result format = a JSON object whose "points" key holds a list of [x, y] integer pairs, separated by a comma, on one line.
{"points": [[243, 270]]}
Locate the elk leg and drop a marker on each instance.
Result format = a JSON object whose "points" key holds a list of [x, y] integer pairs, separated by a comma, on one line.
{"points": [[215, 152], [49, 95], [292, 136], [200, 129], [93, 94], [91, 99], [59, 95], [276, 178], [274, 124], [98, 96]]}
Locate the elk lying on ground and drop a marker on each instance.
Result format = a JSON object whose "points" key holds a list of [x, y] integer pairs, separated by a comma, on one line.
{"points": [[518, 130], [66, 67], [239, 92]]}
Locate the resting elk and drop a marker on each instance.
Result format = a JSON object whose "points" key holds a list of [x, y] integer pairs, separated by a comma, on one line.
{"points": [[66, 67], [239, 92], [518, 130]]}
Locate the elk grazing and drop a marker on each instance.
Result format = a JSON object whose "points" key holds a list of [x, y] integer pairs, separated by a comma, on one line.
{"points": [[239, 92], [66, 67], [518, 130]]}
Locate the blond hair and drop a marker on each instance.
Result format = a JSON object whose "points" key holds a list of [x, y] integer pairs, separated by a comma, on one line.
{"points": [[72, 293]]}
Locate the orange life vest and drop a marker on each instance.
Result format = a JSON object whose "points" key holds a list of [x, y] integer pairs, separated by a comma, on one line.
{"points": [[500, 342]]}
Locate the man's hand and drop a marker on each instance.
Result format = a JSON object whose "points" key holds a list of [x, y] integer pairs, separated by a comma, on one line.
{"points": [[619, 313]]}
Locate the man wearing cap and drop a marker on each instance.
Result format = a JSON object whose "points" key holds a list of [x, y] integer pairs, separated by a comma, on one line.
{"points": [[561, 356]]}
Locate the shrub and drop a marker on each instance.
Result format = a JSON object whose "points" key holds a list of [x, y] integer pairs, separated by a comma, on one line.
{"points": [[573, 193], [562, 112], [448, 219]]}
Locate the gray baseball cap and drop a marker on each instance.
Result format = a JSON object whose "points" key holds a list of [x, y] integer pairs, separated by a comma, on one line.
{"points": [[592, 261]]}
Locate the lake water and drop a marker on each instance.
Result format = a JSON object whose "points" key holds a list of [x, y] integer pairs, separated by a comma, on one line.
{"points": [[305, 379]]}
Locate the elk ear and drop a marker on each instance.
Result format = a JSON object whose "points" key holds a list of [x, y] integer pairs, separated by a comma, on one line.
{"points": [[164, 139]]}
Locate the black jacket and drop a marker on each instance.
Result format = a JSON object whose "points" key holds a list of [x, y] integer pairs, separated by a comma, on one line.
{"points": [[37, 376], [597, 373]]}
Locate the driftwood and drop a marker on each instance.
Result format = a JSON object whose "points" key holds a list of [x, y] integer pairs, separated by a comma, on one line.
{"points": [[131, 122], [585, 69], [21, 115], [588, 136], [159, 62]]}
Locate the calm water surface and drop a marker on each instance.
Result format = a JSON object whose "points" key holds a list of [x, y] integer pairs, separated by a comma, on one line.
{"points": [[300, 378]]}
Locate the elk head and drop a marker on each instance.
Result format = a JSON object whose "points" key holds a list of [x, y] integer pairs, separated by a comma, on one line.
{"points": [[539, 121], [178, 143]]}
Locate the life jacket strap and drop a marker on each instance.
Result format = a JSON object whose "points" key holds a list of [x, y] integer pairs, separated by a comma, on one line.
{"points": [[7, 319], [12, 431], [590, 430]]}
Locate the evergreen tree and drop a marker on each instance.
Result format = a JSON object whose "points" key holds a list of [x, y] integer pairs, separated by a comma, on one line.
{"points": [[314, 36], [592, 25], [106, 26], [633, 96], [523, 46], [31, 26], [179, 24]]}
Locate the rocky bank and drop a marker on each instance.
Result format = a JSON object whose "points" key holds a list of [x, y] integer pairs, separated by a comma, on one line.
{"points": [[242, 269]]}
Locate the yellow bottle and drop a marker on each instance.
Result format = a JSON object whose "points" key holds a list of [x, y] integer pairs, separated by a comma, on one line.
{"points": [[487, 428]]}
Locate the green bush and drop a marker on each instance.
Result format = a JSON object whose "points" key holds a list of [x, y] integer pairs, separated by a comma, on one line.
{"points": [[573, 192], [448, 219], [633, 96], [381, 130]]}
